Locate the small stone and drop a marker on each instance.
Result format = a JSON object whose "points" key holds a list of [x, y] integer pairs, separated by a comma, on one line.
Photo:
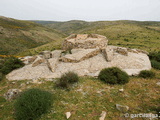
{"points": [[39, 82], [35, 81], [79, 90], [158, 83], [13, 82], [103, 115], [68, 115], [121, 90], [28, 87], [48, 79], [23, 84], [27, 83], [99, 92], [122, 108], [12, 94]]}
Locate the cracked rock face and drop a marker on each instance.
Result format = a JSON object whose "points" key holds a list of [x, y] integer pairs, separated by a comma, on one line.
{"points": [[85, 62]]}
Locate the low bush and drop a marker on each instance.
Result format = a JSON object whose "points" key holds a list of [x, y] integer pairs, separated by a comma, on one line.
{"points": [[67, 79], [31, 104], [113, 75], [158, 110], [10, 64], [155, 64], [146, 74], [1, 76], [155, 56]]}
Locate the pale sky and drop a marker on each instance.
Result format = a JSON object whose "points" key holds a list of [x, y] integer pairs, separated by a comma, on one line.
{"points": [[89, 10]]}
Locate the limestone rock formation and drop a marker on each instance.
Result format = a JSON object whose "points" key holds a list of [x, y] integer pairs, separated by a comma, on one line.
{"points": [[84, 41], [80, 55], [88, 55]]}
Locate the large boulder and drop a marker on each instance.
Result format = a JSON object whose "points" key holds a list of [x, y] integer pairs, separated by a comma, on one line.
{"points": [[133, 63], [52, 63], [85, 41], [108, 53]]}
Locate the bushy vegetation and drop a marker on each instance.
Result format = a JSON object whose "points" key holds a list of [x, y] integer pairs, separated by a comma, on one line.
{"points": [[155, 56], [146, 74], [113, 75], [1, 76], [155, 59], [155, 64], [31, 104], [9, 64], [67, 79], [95, 92]]}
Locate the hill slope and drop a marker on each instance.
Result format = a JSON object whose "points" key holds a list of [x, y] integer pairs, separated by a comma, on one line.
{"points": [[17, 35], [133, 34]]}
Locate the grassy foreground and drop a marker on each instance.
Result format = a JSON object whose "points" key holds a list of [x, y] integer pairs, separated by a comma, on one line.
{"points": [[87, 99]]}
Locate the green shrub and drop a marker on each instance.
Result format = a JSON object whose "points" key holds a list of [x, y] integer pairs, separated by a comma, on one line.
{"points": [[155, 64], [67, 79], [113, 75], [155, 56], [158, 110], [1, 76], [10, 64], [125, 39], [31, 104], [146, 74]]}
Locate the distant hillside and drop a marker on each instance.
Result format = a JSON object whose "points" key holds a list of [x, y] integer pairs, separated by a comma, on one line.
{"points": [[133, 34], [17, 35]]}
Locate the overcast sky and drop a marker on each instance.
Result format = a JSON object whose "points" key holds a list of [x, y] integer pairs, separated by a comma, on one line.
{"points": [[89, 10]]}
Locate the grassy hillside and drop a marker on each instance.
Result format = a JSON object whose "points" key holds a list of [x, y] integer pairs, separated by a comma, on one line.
{"points": [[17, 35], [87, 99], [133, 34], [49, 46]]}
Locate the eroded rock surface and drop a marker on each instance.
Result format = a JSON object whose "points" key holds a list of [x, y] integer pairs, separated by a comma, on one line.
{"points": [[84, 61], [85, 41], [80, 55]]}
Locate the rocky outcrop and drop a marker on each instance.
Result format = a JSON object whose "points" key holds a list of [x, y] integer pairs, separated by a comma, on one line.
{"points": [[85, 41], [85, 62]]}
